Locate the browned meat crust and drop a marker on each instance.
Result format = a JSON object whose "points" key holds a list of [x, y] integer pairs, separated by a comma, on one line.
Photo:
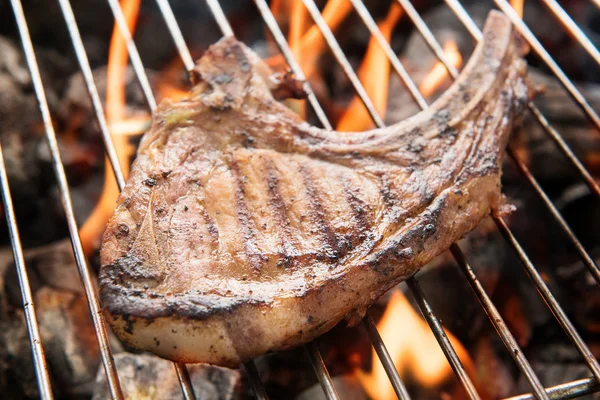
{"points": [[244, 230]]}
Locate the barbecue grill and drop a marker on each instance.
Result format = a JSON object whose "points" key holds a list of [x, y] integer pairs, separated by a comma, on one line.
{"points": [[537, 391]]}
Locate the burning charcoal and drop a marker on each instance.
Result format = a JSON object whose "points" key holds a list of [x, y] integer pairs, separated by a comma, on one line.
{"points": [[347, 386], [557, 363], [65, 324], [147, 376], [539, 151]]}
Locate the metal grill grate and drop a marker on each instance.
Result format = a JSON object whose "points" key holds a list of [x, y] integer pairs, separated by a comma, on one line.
{"points": [[563, 391]]}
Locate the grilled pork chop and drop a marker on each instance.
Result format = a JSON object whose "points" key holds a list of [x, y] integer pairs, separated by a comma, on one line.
{"points": [[243, 229]]}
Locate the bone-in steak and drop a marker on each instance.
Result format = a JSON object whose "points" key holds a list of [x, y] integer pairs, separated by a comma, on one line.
{"points": [[243, 229]]}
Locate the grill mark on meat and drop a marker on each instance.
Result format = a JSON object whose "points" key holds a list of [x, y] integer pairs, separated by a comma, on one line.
{"points": [[212, 228], [318, 214], [280, 212], [358, 207], [253, 256]]}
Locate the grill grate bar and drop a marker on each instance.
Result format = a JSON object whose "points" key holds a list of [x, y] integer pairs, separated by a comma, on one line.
{"points": [[173, 27], [549, 61], [587, 259], [255, 381], [220, 18], [319, 366], [474, 31], [374, 335], [83, 268], [183, 376], [187, 389], [505, 334], [427, 35], [572, 28], [267, 16], [311, 349], [33, 329], [442, 338], [339, 55], [366, 17], [499, 324], [549, 299], [383, 354], [530, 269], [86, 70], [568, 390], [134, 55]]}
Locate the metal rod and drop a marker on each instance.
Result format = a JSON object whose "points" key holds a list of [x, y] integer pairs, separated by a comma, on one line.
{"points": [[35, 340], [427, 35], [321, 370], [499, 324], [573, 29], [88, 76], [365, 15], [182, 373], [374, 336], [343, 61], [265, 12], [547, 58], [564, 148], [217, 12], [311, 349], [184, 381], [438, 330], [446, 345], [83, 268], [255, 381], [173, 27], [134, 55], [570, 390], [585, 256], [385, 358], [508, 338], [549, 299]]}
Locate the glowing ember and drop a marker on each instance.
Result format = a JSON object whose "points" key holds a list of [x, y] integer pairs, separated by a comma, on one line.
{"points": [[414, 349], [439, 73], [374, 74], [92, 230]]}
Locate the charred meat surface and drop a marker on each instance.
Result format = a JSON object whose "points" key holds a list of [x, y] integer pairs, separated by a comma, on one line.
{"points": [[243, 229]]}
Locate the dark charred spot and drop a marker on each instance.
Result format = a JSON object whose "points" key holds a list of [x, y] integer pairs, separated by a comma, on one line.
{"points": [[122, 231], [223, 78], [150, 182], [310, 319]]}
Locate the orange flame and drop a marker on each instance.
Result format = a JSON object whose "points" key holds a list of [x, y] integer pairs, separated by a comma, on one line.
{"points": [[92, 229], [439, 73], [413, 348], [374, 74], [518, 6], [309, 47]]}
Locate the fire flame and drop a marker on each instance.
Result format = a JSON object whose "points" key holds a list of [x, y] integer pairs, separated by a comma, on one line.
{"points": [[308, 48], [439, 73], [305, 39], [413, 348], [518, 6], [92, 229], [374, 74]]}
